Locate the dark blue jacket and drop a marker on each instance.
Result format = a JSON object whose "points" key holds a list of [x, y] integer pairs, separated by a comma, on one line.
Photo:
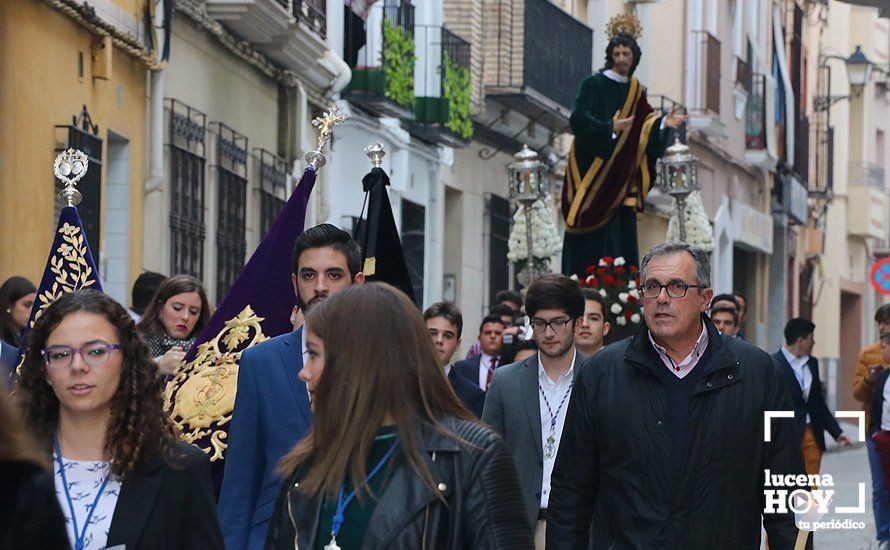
{"points": [[821, 418], [469, 393], [271, 415], [877, 403], [469, 369]]}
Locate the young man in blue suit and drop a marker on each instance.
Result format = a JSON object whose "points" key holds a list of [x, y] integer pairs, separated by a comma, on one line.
{"points": [[272, 411], [478, 370], [810, 410]]}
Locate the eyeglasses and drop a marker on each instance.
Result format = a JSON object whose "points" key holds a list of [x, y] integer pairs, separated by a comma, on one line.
{"points": [[94, 354], [675, 289], [540, 325]]}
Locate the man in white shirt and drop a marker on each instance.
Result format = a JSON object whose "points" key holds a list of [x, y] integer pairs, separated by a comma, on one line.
{"points": [[480, 369], [527, 401], [810, 410]]}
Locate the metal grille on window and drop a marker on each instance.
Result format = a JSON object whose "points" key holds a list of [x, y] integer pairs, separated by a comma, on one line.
{"points": [[231, 244], [82, 134], [498, 245], [187, 142], [413, 241], [273, 188]]}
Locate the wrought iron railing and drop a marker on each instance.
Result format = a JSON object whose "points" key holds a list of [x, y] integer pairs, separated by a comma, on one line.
{"points": [[557, 51], [273, 188], [231, 222], [313, 13]]}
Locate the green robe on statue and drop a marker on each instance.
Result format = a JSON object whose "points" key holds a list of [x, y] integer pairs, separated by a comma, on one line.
{"points": [[608, 175]]}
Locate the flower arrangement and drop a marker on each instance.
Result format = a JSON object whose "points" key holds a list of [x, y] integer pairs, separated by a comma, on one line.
{"points": [[545, 238], [617, 282], [698, 226]]}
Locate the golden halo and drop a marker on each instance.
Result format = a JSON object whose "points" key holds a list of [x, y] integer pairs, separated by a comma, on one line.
{"points": [[625, 22]]}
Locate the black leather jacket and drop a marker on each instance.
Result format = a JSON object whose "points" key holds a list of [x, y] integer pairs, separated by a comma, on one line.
{"points": [[479, 483]]}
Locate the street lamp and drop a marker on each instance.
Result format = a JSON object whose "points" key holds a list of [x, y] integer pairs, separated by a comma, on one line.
{"points": [[679, 177], [528, 183], [859, 70]]}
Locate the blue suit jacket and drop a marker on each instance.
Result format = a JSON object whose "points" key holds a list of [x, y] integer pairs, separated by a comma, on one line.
{"points": [[271, 415], [469, 369], [821, 419], [8, 356]]}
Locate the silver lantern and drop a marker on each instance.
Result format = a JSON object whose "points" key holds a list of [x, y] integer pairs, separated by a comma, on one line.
{"points": [[678, 169]]}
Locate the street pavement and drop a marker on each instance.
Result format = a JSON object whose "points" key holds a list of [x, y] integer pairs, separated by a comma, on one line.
{"points": [[849, 468]]}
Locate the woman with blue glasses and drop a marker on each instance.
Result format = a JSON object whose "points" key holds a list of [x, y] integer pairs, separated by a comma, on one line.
{"points": [[90, 393]]}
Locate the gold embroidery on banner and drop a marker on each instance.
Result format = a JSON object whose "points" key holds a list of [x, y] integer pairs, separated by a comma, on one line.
{"points": [[201, 396], [71, 269], [583, 198]]}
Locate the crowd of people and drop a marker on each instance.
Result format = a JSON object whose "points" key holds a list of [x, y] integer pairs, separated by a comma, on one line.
{"points": [[360, 429]]}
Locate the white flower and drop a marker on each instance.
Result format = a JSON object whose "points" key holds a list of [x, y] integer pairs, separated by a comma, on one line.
{"points": [[616, 309], [621, 320], [574, 277], [603, 292], [632, 284], [698, 227], [635, 318], [623, 297], [602, 263], [589, 279], [620, 261]]}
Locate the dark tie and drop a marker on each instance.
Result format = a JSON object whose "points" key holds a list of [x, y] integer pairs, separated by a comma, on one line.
{"points": [[494, 365]]}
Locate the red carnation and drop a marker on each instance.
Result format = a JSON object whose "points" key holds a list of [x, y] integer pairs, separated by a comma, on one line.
{"points": [[594, 281], [590, 269], [607, 259], [619, 270], [631, 298], [609, 280], [634, 269], [628, 314], [601, 271]]}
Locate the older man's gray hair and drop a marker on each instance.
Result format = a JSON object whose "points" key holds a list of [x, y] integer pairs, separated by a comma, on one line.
{"points": [[702, 261]]}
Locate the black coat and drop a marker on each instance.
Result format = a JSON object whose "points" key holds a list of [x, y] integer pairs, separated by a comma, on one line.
{"points": [[821, 418], [167, 503], [479, 483], [613, 465], [877, 402], [31, 515], [469, 393]]}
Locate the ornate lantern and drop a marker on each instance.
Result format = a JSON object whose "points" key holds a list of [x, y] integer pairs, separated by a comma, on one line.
{"points": [[528, 183], [679, 177]]}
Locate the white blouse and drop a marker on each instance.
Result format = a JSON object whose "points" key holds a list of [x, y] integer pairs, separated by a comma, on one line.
{"points": [[84, 478]]}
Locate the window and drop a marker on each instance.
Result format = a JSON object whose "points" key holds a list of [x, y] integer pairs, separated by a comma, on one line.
{"points": [[499, 229], [231, 244], [413, 243], [273, 188], [187, 156]]}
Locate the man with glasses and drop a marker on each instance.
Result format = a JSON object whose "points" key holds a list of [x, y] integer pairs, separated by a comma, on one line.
{"points": [[664, 443], [527, 401]]}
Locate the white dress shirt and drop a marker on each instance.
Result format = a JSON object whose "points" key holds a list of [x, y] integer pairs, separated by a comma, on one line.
{"points": [[557, 392], [485, 365], [685, 366], [801, 371]]}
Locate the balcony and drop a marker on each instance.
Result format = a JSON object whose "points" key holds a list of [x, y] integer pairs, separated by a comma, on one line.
{"points": [[536, 55], [866, 201], [704, 110], [290, 32], [442, 105], [382, 57], [756, 151]]}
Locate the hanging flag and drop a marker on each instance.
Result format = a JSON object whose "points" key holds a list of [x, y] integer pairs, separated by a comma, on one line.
{"points": [[377, 234], [201, 395], [70, 265]]}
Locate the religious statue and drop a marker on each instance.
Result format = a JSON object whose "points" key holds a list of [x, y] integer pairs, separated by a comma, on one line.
{"points": [[618, 138]]}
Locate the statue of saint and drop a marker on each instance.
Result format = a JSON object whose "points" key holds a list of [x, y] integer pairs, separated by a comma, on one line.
{"points": [[618, 138]]}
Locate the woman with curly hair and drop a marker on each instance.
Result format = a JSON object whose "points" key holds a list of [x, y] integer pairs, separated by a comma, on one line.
{"points": [[173, 320], [90, 394]]}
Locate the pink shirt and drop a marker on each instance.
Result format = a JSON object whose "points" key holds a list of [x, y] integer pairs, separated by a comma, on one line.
{"points": [[685, 366]]}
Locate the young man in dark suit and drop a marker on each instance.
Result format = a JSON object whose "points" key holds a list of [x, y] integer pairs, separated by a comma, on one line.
{"points": [[527, 401], [810, 410], [445, 323], [478, 370], [272, 411]]}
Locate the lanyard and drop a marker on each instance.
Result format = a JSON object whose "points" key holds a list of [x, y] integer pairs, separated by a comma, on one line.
{"points": [[554, 416], [79, 537], [342, 502]]}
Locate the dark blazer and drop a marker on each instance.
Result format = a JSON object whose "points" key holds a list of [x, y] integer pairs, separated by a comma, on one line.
{"points": [[469, 369], [167, 503], [877, 402], [469, 393], [478, 503], [821, 418], [31, 515], [8, 356], [271, 415], [512, 408]]}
